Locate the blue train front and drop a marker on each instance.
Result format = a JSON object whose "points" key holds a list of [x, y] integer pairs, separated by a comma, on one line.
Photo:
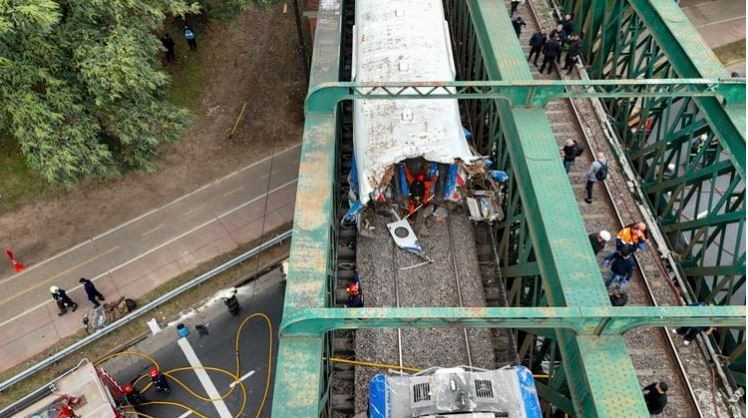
{"points": [[457, 392]]}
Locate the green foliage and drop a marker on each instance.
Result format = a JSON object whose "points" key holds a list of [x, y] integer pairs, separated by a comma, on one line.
{"points": [[79, 86], [222, 9]]}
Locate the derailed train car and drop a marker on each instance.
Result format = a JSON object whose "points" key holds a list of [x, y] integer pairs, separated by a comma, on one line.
{"points": [[407, 150]]}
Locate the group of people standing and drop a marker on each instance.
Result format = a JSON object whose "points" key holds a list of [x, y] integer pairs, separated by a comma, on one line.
{"points": [[189, 35], [551, 45]]}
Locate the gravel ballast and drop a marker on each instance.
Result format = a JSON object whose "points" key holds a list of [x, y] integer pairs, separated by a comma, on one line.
{"points": [[430, 285]]}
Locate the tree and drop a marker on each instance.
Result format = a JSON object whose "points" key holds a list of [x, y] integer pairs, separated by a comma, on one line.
{"points": [[79, 86]]}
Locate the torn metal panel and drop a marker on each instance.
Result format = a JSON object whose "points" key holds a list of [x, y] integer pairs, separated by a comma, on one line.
{"points": [[400, 41]]}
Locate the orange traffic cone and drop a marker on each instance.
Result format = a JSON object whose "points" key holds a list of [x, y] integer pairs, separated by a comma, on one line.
{"points": [[17, 266]]}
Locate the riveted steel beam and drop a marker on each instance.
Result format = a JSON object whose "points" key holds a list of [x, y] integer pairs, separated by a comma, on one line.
{"points": [[583, 320], [298, 376], [569, 272], [689, 56], [323, 98]]}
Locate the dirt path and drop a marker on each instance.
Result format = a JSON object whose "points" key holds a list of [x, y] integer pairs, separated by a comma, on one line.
{"points": [[252, 59]]}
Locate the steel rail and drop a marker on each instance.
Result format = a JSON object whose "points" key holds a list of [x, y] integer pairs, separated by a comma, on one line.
{"points": [[459, 285], [650, 221], [397, 303], [144, 309]]}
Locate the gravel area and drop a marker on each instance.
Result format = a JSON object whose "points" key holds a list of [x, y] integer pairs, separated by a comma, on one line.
{"points": [[429, 285]]}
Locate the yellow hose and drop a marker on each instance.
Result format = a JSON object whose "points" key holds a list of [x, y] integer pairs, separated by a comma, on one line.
{"points": [[234, 376]]}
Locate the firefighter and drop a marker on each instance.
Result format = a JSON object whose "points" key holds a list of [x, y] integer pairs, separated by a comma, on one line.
{"points": [[63, 300], [419, 188], [159, 380], [355, 298], [134, 397]]}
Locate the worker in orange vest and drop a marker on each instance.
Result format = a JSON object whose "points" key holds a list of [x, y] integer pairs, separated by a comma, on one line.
{"points": [[630, 239], [419, 188]]}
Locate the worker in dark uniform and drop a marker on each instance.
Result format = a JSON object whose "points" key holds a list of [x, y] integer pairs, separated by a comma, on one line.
{"points": [[134, 397], [621, 270], [168, 43], [537, 41], [690, 333], [618, 298], [514, 3], [63, 300], [552, 52], [655, 396], [575, 48], [94, 296], [561, 35], [568, 24], [159, 380], [518, 23], [598, 240]]}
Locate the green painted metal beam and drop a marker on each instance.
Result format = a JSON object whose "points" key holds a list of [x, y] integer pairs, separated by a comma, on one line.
{"points": [[324, 97], [709, 220], [298, 376], [690, 57], [583, 320], [521, 270], [569, 271], [692, 177], [556, 398], [726, 270]]}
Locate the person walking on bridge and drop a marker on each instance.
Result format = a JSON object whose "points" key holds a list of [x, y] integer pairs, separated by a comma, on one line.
{"points": [[514, 3], [93, 294], [655, 396], [537, 41], [552, 51], [518, 23], [575, 48], [598, 171]]}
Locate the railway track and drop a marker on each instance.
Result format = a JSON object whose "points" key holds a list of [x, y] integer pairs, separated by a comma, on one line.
{"points": [[655, 354]]}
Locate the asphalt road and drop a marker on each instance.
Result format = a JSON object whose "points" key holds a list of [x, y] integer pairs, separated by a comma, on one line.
{"points": [[264, 295]]}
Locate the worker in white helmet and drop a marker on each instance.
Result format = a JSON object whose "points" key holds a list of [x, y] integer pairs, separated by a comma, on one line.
{"points": [[63, 300], [598, 240]]}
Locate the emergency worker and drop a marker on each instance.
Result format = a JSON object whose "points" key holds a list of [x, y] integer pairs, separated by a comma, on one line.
{"points": [[419, 188], [159, 380]]}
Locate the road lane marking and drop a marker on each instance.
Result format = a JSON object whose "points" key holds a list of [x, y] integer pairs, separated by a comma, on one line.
{"points": [[55, 276], [152, 230], [195, 209], [717, 22], [158, 247], [154, 326], [150, 212], [241, 379], [185, 415], [230, 192], [202, 375]]}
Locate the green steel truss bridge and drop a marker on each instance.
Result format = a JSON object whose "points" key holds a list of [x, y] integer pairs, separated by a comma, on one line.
{"points": [[656, 79]]}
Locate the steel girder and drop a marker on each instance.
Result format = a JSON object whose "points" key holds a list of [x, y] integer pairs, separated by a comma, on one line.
{"points": [[299, 369], [582, 320], [688, 152], [568, 270], [528, 93]]}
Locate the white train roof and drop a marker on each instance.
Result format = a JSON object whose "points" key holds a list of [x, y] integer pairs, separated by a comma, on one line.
{"points": [[403, 41]]}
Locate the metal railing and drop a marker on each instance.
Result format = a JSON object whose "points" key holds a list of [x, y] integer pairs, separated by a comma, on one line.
{"points": [[144, 309]]}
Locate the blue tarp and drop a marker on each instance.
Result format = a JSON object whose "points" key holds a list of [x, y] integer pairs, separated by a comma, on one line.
{"points": [[378, 396]]}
